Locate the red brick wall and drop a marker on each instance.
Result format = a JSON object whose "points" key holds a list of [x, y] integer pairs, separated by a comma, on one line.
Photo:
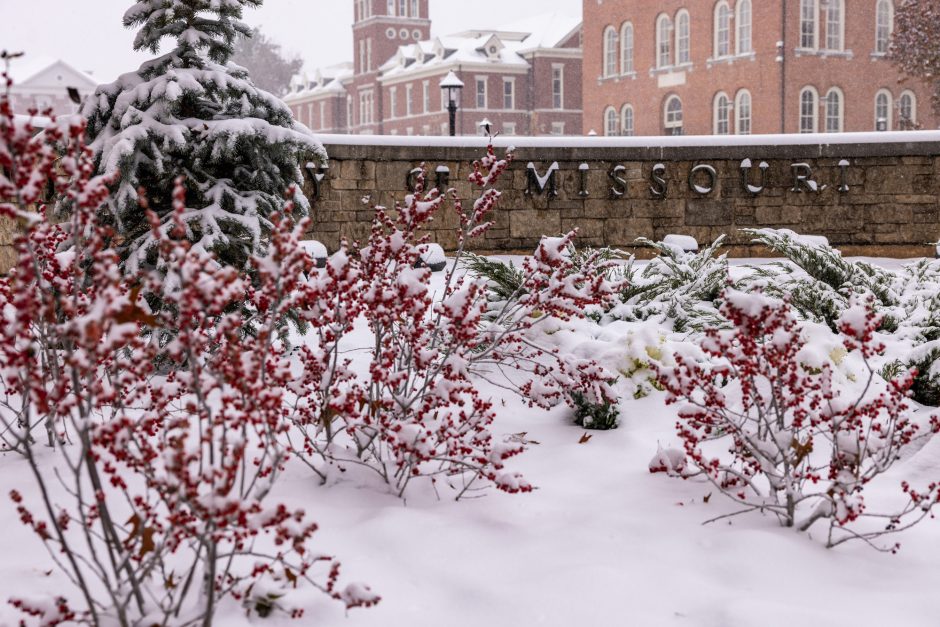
{"points": [[775, 99]]}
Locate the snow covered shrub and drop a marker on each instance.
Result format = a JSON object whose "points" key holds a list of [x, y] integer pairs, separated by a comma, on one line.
{"points": [[192, 113], [677, 286], [155, 505], [419, 413], [775, 436], [601, 416], [827, 283]]}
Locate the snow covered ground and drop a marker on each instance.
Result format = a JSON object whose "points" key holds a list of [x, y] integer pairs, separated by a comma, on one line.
{"points": [[600, 542]]}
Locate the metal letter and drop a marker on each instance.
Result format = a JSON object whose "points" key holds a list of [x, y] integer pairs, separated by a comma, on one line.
{"points": [[844, 186], [583, 190], [803, 177], [317, 176], [443, 178], [537, 184], [658, 186], [712, 175], [619, 188], [746, 167], [411, 181]]}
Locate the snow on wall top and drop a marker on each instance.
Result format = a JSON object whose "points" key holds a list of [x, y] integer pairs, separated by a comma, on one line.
{"points": [[474, 141]]}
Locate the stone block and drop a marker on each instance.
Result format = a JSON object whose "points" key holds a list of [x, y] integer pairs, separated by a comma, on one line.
{"points": [[771, 216], [529, 223], [709, 212]]}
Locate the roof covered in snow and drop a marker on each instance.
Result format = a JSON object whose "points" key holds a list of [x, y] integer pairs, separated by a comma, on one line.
{"points": [[43, 73], [327, 80]]}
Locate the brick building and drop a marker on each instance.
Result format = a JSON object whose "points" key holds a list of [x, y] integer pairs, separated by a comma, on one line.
{"points": [[42, 84], [740, 67], [524, 78]]}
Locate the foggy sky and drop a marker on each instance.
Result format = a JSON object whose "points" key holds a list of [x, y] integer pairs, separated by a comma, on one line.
{"points": [[89, 34]]}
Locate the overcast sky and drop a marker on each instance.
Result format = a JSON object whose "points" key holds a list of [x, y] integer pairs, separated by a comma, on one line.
{"points": [[89, 34]]}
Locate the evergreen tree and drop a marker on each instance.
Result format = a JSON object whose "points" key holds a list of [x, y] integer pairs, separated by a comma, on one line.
{"points": [[191, 113], [270, 68], [914, 47]]}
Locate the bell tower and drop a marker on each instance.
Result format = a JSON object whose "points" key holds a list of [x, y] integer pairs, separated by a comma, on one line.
{"points": [[381, 26]]}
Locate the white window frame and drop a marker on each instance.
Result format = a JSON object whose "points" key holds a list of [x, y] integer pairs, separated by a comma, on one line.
{"points": [[509, 128], [393, 102], [835, 116], [743, 112], [558, 86], [744, 27], [323, 114], [391, 7], [415, 9], [409, 100], [813, 116], [670, 121], [509, 93], [809, 15], [610, 52], [912, 119], [884, 25], [610, 122], [683, 37], [888, 109], [558, 128], [835, 28], [627, 121], [626, 48], [484, 81], [426, 96], [722, 25], [663, 41], [721, 120]]}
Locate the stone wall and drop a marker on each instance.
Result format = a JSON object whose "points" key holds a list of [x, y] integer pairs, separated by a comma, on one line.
{"points": [[878, 199]]}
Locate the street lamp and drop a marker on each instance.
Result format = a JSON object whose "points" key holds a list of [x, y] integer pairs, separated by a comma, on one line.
{"points": [[453, 85]]}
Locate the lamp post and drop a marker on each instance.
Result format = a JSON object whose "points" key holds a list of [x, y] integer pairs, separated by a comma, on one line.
{"points": [[453, 85]]}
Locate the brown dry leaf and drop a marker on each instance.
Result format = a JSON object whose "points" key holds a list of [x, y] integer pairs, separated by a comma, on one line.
{"points": [[147, 544], [291, 577], [707, 498], [585, 438]]}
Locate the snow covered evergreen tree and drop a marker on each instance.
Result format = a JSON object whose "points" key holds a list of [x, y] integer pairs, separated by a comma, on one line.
{"points": [[193, 114]]}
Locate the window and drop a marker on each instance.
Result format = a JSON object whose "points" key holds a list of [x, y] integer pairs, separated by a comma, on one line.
{"points": [[808, 101], [744, 44], [558, 128], [883, 110], [907, 111], [410, 130], [834, 110], [742, 112], [663, 41], [393, 102], [626, 48], [558, 87], [626, 121], [509, 94], [426, 97], [362, 55], [391, 7], [722, 30], [426, 130], [509, 128], [808, 24], [835, 24], [402, 8], [683, 55], [610, 51], [610, 122], [322, 114], [722, 124], [673, 116], [481, 92], [364, 9], [369, 54], [414, 9], [366, 107], [409, 99], [884, 24], [349, 112]]}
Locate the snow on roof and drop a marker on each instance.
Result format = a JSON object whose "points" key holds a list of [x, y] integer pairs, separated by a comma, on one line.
{"points": [[28, 67], [325, 80], [548, 30]]}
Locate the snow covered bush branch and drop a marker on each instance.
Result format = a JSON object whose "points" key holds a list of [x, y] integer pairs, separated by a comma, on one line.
{"points": [[775, 435]]}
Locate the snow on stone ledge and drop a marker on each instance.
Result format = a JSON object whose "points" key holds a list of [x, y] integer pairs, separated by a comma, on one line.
{"points": [[474, 141]]}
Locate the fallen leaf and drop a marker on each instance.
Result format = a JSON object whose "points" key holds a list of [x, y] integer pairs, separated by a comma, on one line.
{"points": [[585, 438], [707, 498]]}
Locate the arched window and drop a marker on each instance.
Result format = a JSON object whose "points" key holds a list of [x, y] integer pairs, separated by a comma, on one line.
{"points": [[610, 51], [663, 41], [742, 112], [722, 106], [610, 122], [809, 99], [673, 116], [835, 24], [884, 24], [808, 23], [626, 119], [744, 44], [722, 29], [883, 110], [907, 111], [835, 111], [626, 48], [683, 53]]}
